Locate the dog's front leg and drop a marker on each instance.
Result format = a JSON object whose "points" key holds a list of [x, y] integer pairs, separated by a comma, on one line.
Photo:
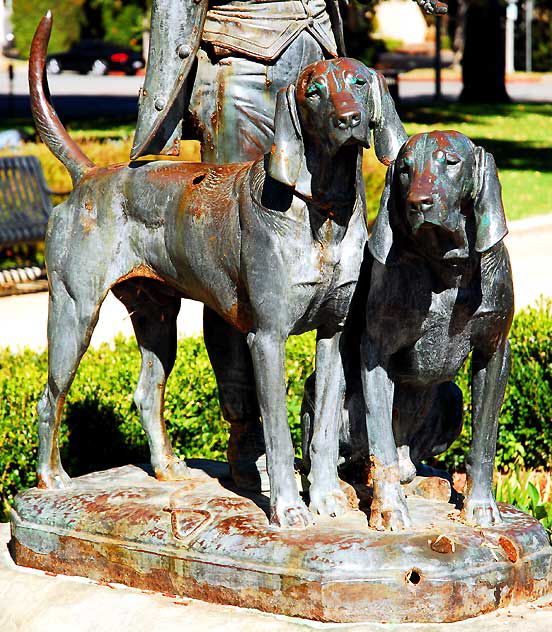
{"points": [[489, 377], [326, 496], [287, 510], [388, 510]]}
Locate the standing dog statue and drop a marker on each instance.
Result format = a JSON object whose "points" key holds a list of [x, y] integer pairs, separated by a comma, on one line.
{"points": [[273, 246], [440, 287]]}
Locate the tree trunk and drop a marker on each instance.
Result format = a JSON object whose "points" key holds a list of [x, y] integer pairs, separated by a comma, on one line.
{"points": [[458, 34], [483, 62]]}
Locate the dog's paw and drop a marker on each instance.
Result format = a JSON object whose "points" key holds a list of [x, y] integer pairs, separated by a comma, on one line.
{"points": [[331, 502], [172, 469], [407, 469], [481, 513], [287, 515], [389, 511], [54, 478]]}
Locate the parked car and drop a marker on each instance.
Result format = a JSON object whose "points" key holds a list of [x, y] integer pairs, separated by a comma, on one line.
{"points": [[95, 57]]}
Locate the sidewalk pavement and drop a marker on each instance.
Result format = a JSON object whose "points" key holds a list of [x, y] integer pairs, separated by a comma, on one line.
{"points": [[23, 318]]}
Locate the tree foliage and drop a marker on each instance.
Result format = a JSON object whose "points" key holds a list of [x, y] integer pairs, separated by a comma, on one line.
{"points": [[68, 17], [541, 36], [117, 21]]}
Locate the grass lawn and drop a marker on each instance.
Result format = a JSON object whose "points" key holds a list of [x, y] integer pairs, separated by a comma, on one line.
{"points": [[518, 135]]}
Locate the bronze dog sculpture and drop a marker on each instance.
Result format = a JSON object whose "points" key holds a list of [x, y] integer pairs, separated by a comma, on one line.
{"points": [[273, 246], [441, 283]]}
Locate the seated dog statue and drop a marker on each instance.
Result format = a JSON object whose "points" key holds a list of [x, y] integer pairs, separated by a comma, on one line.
{"points": [[274, 247], [440, 287]]}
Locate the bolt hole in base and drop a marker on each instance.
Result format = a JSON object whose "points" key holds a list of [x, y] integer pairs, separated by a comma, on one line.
{"points": [[413, 576]]}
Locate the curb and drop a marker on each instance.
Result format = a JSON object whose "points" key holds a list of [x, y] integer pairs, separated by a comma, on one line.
{"points": [[530, 224]]}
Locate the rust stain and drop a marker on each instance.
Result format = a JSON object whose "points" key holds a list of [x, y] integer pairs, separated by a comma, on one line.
{"points": [[382, 472], [141, 270], [184, 522], [106, 584], [88, 224], [240, 316], [352, 497], [509, 548], [442, 544]]}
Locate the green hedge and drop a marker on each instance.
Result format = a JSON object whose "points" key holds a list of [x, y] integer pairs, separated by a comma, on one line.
{"points": [[102, 430], [101, 427], [525, 430]]}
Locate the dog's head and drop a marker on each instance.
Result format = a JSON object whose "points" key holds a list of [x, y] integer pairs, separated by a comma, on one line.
{"points": [[443, 194], [333, 103]]}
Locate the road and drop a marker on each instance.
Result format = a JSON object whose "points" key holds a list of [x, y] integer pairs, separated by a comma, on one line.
{"points": [[413, 90], [75, 96], [81, 96]]}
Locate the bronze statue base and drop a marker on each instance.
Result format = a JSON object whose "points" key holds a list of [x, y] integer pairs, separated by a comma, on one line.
{"points": [[199, 538]]}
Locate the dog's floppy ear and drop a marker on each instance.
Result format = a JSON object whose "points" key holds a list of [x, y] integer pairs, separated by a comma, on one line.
{"points": [[381, 239], [389, 134], [287, 154], [488, 208]]}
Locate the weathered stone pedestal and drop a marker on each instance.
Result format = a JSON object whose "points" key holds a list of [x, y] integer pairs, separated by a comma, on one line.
{"points": [[199, 539]]}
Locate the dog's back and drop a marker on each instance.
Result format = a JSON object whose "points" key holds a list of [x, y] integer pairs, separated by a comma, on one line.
{"points": [[174, 221]]}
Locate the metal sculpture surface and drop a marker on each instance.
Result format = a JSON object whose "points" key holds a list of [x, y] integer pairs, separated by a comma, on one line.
{"points": [[213, 73], [274, 247], [441, 281]]}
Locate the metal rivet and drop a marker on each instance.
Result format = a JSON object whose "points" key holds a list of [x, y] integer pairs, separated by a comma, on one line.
{"points": [[310, 21], [184, 51], [159, 103]]}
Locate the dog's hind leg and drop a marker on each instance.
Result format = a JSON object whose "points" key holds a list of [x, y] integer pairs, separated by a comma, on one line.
{"points": [[231, 362], [71, 321], [326, 496], [153, 312]]}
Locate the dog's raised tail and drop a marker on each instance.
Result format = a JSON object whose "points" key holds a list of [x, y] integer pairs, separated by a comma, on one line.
{"points": [[47, 122]]}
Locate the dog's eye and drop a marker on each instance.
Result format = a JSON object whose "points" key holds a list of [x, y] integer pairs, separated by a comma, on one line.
{"points": [[314, 89], [453, 159], [358, 81], [405, 164]]}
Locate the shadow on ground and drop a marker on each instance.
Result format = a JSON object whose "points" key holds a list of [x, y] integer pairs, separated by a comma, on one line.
{"points": [[97, 440], [454, 112], [73, 107], [512, 154]]}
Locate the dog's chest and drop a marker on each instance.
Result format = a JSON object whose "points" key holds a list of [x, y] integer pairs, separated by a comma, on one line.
{"points": [[325, 271], [445, 341]]}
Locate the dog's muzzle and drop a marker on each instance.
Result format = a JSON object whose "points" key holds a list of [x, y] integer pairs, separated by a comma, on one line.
{"points": [[347, 120]]}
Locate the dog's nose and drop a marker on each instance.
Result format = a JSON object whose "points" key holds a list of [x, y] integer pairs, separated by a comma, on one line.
{"points": [[420, 202], [347, 120]]}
